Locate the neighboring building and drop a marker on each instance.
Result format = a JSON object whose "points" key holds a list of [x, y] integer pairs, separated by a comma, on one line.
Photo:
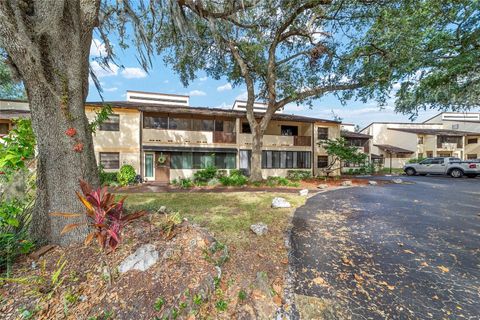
{"points": [[164, 138], [448, 134], [356, 139], [9, 110]]}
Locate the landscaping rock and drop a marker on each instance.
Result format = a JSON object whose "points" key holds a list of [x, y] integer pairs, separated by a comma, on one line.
{"points": [[259, 228], [397, 180], [322, 186], [142, 259], [163, 209], [278, 202], [373, 183], [303, 192], [347, 183]]}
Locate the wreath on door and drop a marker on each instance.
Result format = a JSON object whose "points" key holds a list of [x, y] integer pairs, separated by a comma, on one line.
{"points": [[161, 159]]}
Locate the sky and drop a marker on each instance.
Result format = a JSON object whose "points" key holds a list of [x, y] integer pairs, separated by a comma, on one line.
{"points": [[207, 92]]}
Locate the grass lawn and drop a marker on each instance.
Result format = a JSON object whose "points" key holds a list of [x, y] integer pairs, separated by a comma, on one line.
{"points": [[227, 215]]}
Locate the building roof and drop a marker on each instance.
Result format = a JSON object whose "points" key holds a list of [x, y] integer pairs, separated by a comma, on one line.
{"points": [[175, 109], [354, 135], [14, 114], [436, 132], [392, 149]]}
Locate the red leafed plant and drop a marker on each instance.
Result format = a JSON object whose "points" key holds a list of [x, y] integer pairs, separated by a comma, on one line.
{"points": [[78, 147], [105, 216], [71, 132]]}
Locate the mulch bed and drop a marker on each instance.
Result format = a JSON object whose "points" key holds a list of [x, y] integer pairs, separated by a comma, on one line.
{"points": [[86, 292], [310, 184]]}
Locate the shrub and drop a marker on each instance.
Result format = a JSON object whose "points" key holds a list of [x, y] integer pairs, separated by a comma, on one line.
{"points": [[185, 183], [105, 216], [236, 178], [126, 175], [281, 181], [296, 175], [416, 160], [205, 175], [107, 178]]}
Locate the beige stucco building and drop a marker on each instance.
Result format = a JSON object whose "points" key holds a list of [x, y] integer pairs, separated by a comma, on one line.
{"points": [[448, 134], [164, 138]]}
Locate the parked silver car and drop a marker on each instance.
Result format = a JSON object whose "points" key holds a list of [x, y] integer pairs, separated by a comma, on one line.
{"points": [[454, 167]]}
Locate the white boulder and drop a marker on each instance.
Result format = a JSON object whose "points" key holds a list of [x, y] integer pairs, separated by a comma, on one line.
{"points": [[303, 192], [278, 202], [259, 228], [142, 259]]}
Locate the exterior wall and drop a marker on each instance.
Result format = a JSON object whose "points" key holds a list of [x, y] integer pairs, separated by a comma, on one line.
{"points": [[473, 148], [334, 130], [126, 141]]}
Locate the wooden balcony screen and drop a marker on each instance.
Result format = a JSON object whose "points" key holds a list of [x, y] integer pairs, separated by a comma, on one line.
{"points": [[302, 141], [223, 137]]}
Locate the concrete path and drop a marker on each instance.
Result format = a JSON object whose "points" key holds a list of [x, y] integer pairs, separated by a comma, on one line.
{"points": [[396, 251]]}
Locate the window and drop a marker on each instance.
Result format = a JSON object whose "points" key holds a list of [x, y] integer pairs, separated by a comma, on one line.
{"points": [[181, 160], [110, 160], [322, 161], [155, 122], [202, 160], [225, 126], [455, 126], [246, 127], [180, 123], [420, 140], [471, 156], [449, 139], [322, 133], [286, 159], [4, 128], [472, 141], [202, 125], [112, 123], [289, 130]]}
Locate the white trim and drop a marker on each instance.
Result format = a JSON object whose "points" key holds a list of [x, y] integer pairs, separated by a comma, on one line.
{"points": [[145, 169]]}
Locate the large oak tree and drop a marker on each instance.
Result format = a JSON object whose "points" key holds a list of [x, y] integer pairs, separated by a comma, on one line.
{"points": [[46, 45], [282, 51]]}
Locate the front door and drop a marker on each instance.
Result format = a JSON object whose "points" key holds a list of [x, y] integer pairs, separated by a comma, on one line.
{"points": [[149, 166], [162, 167]]}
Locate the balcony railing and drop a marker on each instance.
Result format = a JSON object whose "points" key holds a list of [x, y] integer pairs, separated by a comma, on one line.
{"points": [[302, 141], [223, 137]]}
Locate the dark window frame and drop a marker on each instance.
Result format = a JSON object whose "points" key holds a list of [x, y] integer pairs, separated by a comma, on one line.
{"points": [[289, 130], [109, 125], [469, 140], [322, 133], [322, 162], [117, 166]]}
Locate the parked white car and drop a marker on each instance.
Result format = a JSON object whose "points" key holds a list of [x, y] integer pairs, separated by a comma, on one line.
{"points": [[453, 167]]}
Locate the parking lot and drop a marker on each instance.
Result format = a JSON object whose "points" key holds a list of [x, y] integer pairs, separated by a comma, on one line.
{"points": [[391, 251]]}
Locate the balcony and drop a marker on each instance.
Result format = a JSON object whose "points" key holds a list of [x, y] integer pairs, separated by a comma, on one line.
{"points": [[302, 141], [245, 139], [223, 137]]}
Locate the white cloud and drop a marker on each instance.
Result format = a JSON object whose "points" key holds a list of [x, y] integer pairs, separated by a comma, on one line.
{"points": [[97, 48], [203, 78], [112, 89], [133, 73], [102, 72], [294, 107], [242, 96], [165, 81], [194, 93], [225, 87]]}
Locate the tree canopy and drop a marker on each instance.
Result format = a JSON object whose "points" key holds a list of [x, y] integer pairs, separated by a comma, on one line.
{"points": [[432, 49]]}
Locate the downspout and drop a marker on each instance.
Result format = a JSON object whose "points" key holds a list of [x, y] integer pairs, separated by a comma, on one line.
{"points": [[141, 155], [312, 161]]}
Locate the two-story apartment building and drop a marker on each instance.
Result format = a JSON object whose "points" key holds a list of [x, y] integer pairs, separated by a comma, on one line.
{"points": [[164, 138], [448, 134]]}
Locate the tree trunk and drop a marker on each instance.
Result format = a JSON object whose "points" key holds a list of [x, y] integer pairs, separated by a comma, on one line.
{"points": [[256, 162], [48, 44]]}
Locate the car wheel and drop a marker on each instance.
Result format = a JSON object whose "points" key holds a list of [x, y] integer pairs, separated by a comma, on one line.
{"points": [[456, 173], [410, 171], [471, 175]]}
